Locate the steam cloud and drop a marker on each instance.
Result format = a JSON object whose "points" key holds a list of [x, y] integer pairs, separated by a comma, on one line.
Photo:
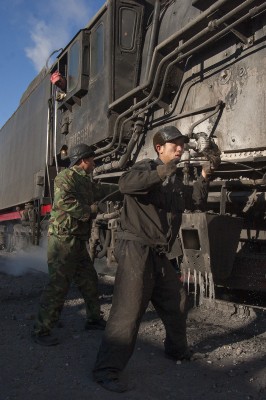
{"points": [[34, 258]]}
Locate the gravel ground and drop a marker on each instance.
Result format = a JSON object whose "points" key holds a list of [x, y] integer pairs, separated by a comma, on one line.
{"points": [[234, 366]]}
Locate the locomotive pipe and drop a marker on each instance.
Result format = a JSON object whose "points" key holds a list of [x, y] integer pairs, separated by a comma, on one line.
{"points": [[207, 116], [217, 23], [107, 216], [149, 81], [211, 25], [259, 170], [236, 197], [180, 58], [245, 182], [106, 243], [137, 131], [235, 183], [154, 33], [196, 111], [178, 34], [190, 25], [121, 163]]}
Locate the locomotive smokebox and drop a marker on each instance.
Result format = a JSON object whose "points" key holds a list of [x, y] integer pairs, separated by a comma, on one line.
{"points": [[210, 242]]}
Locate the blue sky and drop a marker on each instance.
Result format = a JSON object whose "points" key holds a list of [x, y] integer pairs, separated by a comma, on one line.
{"points": [[30, 30]]}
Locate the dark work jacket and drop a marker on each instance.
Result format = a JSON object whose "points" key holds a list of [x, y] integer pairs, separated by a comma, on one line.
{"points": [[152, 212]]}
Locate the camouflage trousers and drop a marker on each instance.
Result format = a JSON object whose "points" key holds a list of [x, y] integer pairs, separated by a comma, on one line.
{"points": [[68, 261]]}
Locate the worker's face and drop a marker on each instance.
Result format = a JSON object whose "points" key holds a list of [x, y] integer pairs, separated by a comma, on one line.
{"points": [[171, 150], [88, 164]]}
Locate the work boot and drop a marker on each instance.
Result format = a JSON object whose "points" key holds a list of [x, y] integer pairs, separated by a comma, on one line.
{"points": [[45, 340], [95, 324], [113, 384]]}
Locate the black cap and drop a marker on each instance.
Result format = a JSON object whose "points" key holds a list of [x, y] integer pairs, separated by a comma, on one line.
{"points": [[78, 152], [168, 134]]}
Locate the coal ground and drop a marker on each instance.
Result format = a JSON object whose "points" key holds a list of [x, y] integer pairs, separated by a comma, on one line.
{"points": [[234, 366]]}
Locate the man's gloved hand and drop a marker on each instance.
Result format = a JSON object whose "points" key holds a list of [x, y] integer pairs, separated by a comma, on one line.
{"points": [[94, 210], [214, 160], [167, 169], [210, 166]]}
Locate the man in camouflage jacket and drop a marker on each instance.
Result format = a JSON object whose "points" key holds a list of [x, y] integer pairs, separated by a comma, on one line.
{"points": [[68, 260]]}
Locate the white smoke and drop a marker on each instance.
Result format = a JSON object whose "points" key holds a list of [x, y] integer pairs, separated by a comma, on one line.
{"points": [[60, 21], [32, 259]]}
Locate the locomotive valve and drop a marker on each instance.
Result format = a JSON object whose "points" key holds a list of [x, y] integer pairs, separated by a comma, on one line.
{"points": [[200, 143]]}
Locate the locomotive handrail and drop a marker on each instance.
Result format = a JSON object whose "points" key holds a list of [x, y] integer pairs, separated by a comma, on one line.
{"points": [[55, 134], [47, 151]]}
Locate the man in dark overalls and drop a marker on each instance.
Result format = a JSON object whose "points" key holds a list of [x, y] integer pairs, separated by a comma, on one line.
{"points": [[150, 221]]}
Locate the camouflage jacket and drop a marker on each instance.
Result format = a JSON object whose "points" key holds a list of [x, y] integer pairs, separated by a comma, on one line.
{"points": [[74, 192]]}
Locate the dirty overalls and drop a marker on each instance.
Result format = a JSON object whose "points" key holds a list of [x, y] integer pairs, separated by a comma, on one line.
{"points": [[150, 221]]}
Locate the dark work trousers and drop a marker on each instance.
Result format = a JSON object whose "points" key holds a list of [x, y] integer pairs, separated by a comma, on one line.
{"points": [[142, 275]]}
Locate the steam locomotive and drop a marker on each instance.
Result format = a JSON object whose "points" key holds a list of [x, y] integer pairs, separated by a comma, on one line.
{"points": [[138, 65]]}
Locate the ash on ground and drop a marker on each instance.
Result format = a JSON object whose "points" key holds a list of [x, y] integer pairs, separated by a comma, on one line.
{"points": [[233, 367]]}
